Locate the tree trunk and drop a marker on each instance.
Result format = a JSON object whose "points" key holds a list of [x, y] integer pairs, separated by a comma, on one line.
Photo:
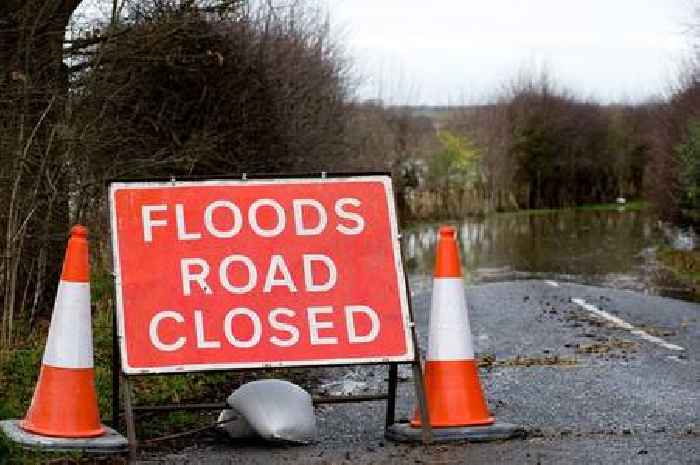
{"points": [[33, 92]]}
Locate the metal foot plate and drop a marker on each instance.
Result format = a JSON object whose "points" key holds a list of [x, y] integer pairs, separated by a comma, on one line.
{"points": [[404, 432], [110, 442]]}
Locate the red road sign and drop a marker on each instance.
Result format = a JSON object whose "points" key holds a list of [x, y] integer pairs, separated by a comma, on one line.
{"points": [[241, 274]]}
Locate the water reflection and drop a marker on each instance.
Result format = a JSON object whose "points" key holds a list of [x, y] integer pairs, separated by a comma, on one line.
{"points": [[593, 247]]}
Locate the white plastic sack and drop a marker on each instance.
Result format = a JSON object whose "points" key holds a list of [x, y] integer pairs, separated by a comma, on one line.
{"points": [[277, 410], [235, 425]]}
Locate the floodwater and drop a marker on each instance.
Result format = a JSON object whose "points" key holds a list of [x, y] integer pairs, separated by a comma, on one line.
{"points": [[606, 248]]}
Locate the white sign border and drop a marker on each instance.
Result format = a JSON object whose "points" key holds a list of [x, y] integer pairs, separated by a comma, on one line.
{"points": [[385, 180]]}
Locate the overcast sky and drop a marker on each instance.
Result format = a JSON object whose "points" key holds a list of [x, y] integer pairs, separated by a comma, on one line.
{"points": [[460, 51]]}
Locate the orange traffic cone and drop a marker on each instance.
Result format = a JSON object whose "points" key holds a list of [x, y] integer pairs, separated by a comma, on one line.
{"points": [[452, 385], [65, 402]]}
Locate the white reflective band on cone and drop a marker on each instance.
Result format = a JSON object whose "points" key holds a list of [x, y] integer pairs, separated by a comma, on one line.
{"points": [[450, 337], [70, 335]]}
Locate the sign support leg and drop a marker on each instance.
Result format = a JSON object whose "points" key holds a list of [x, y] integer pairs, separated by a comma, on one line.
{"points": [[115, 373], [129, 418], [391, 396], [418, 381], [422, 402]]}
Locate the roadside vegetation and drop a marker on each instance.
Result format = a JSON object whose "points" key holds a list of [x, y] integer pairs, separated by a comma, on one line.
{"points": [[684, 264]]}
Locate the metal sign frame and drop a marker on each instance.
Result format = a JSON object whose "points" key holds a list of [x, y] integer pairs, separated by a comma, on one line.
{"points": [[384, 179], [122, 386]]}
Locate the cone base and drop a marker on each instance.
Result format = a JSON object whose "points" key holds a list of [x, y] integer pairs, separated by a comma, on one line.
{"points": [[405, 433], [64, 404], [454, 395], [111, 442], [416, 423], [60, 434]]}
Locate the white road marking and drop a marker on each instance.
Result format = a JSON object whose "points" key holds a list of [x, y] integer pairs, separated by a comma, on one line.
{"points": [[551, 283], [624, 325]]}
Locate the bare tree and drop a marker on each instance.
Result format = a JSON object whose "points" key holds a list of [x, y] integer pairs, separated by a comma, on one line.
{"points": [[33, 94], [172, 88]]}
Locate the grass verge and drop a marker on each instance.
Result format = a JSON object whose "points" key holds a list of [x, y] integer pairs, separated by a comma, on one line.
{"points": [[685, 266], [633, 206]]}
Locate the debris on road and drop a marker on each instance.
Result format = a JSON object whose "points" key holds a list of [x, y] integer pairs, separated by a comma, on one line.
{"points": [[611, 344], [346, 387], [490, 361]]}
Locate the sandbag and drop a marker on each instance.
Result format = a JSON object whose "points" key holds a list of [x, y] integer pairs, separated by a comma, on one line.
{"points": [[277, 410]]}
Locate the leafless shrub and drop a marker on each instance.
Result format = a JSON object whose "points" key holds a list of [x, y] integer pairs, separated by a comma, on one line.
{"points": [[33, 149], [391, 139], [668, 127], [181, 94], [171, 89]]}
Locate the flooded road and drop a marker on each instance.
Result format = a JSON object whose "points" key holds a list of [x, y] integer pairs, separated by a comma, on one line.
{"points": [[614, 249]]}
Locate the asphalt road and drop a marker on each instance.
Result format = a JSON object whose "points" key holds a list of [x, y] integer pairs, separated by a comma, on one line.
{"points": [[594, 375]]}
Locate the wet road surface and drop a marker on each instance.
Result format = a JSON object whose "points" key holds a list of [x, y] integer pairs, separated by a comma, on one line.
{"points": [[594, 375]]}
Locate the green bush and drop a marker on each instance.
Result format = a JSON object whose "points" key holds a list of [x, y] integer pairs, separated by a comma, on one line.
{"points": [[689, 158]]}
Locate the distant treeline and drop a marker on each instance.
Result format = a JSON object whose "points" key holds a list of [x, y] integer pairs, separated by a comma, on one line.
{"points": [[538, 146], [544, 148]]}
